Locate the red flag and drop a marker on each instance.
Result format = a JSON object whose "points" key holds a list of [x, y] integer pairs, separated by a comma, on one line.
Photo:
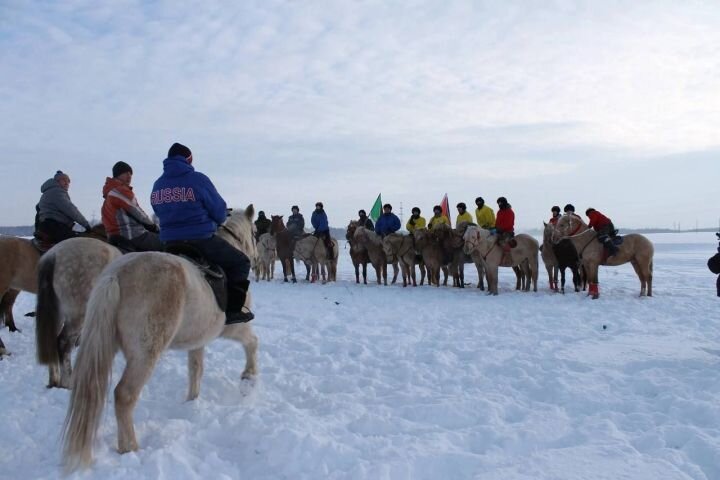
{"points": [[445, 205]]}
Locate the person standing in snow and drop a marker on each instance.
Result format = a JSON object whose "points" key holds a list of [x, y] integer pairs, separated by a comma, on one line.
{"points": [[56, 214]]}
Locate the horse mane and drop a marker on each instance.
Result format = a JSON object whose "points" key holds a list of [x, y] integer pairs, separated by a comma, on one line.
{"points": [[240, 224]]}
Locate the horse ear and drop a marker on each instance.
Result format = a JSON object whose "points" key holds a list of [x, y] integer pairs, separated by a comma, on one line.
{"points": [[544, 224], [250, 212]]}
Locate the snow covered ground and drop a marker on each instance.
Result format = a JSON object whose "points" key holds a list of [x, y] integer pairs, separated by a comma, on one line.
{"points": [[420, 383]]}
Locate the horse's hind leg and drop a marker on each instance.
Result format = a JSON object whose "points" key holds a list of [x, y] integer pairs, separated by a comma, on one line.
{"points": [[137, 372], [640, 275], [66, 341], [243, 333], [3, 351], [195, 371], [6, 305]]}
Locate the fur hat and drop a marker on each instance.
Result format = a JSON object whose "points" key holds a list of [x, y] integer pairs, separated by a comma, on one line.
{"points": [[362, 213], [502, 201], [589, 211], [121, 167], [179, 149], [415, 209], [295, 207], [480, 200], [319, 204]]}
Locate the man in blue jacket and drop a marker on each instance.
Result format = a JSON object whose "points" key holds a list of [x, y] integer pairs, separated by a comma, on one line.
{"points": [[190, 210], [388, 222], [319, 222]]}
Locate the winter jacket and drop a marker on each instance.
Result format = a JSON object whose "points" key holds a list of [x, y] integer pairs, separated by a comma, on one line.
{"points": [[465, 217], [485, 217], [296, 223], [55, 204], [262, 225], [121, 213], [319, 221], [414, 223], [186, 202], [435, 221], [554, 220], [387, 223], [505, 221], [598, 220], [367, 223]]}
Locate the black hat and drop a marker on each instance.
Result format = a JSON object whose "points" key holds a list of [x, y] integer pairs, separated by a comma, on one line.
{"points": [[462, 205], [362, 213], [569, 208], [415, 209], [121, 167], [589, 210], [295, 207], [59, 174], [319, 204], [179, 149], [387, 205], [261, 213], [555, 208], [502, 201], [480, 200]]}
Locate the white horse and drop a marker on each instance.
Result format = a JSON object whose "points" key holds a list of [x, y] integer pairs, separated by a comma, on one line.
{"points": [[66, 275], [144, 304], [312, 252], [266, 256]]}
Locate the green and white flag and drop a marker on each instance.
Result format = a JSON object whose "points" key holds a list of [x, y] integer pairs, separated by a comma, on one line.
{"points": [[376, 209]]}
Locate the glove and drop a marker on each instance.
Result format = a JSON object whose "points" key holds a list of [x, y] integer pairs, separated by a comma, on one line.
{"points": [[152, 228], [412, 221]]}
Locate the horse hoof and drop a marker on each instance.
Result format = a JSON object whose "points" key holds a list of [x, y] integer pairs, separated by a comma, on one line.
{"points": [[286, 280]]}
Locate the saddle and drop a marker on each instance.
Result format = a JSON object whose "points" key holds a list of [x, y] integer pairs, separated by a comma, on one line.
{"points": [[213, 273], [122, 244]]}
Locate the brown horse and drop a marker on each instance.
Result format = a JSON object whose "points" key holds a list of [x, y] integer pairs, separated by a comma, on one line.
{"points": [[635, 248], [433, 255], [359, 256], [18, 270], [368, 240], [285, 244]]}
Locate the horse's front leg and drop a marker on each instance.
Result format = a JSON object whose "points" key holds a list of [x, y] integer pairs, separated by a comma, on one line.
{"points": [[364, 265], [243, 333], [3, 350], [357, 272], [196, 359]]}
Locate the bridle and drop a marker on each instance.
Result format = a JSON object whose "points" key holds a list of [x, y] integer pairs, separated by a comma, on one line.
{"points": [[476, 246]]}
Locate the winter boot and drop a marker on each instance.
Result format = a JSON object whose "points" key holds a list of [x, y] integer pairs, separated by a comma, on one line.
{"points": [[236, 312], [612, 249]]}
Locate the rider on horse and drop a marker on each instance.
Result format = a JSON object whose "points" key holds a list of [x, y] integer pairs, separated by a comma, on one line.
{"points": [[505, 222], [190, 210], [604, 228], [463, 214], [555, 215], [56, 214], [364, 221], [438, 218], [296, 222], [484, 214], [262, 225], [415, 221], [319, 222], [127, 226], [388, 222]]}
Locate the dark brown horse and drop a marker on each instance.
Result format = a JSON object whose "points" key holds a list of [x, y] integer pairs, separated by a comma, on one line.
{"points": [[358, 255], [285, 243]]}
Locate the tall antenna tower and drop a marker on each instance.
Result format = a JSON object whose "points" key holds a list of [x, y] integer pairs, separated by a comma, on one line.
{"points": [[402, 221]]}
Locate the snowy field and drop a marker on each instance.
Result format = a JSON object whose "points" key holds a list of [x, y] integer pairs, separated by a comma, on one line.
{"points": [[420, 383]]}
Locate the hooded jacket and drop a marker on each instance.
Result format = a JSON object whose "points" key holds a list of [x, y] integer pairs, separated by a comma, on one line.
{"points": [[296, 223], [387, 223], [414, 223], [319, 221], [598, 220], [464, 217], [505, 221], [485, 217], [55, 204], [121, 213], [186, 202], [435, 221], [262, 225]]}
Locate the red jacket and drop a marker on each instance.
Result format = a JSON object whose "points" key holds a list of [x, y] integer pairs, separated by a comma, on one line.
{"points": [[505, 220], [598, 220], [121, 213], [554, 220]]}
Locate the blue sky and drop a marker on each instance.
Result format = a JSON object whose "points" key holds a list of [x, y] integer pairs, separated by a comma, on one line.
{"points": [[614, 105]]}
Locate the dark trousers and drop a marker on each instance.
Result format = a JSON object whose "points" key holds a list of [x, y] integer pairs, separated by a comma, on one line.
{"points": [[55, 231], [147, 242], [234, 262], [325, 236]]}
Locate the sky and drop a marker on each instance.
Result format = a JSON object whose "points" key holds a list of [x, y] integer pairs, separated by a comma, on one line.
{"points": [[614, 105]]}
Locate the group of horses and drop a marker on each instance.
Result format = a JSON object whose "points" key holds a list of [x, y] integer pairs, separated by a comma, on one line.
{"points": [[90, 294], [568, 244]]}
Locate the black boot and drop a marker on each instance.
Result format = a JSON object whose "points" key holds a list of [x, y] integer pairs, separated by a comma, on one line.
{"points": [[235, 312]]}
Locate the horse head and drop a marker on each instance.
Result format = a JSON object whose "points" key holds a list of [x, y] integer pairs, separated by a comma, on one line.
{"points": [[276, 224], [239, 227], [568, 225], [350, 232], [471, 239]]}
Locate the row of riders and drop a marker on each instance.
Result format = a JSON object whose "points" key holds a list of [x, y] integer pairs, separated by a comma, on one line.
{"points": [[84, 278]]}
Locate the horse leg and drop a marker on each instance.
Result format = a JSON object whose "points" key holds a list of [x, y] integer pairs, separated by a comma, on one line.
{"points": [[195, 371], [137, 372], [357, 272], [3, 350], [562, 279], [395, 272], [364, 265], [285, 269], [67, 339], [492, 280], [243, 333], [649, 278], [423, 271], [8, 300]]}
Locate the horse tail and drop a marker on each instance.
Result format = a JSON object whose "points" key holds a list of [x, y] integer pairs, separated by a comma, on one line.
{"points": [[93, 369], [47, 324]]}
